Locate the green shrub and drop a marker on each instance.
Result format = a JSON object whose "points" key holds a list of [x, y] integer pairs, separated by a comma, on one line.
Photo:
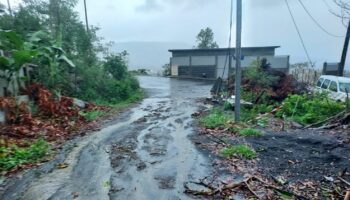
{"points": [[227, 106], [14, 156], [97, 85], [92, 115], [249, 132], [215, 119], [251, 113], [308, 109], [239, 150]]}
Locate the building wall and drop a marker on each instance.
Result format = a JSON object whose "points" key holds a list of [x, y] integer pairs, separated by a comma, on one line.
{"points": [[180, 61], [214, 64], [203, 61], [220, 52]]}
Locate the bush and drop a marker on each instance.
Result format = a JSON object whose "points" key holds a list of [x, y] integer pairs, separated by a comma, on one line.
{"points": [[309, 109], [239, 150], [92, 115], [227, 106], [14, 156], [97, 84], [215, 119], [249, 132]]}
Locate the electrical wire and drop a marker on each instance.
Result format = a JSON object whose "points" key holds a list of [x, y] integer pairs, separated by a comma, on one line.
{"points": [[317, 23], [327, 4], [229, 40], [229, 48], [299, 33]]}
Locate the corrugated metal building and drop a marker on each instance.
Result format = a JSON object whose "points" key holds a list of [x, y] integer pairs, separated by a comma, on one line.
{"points": [[214, 63]]}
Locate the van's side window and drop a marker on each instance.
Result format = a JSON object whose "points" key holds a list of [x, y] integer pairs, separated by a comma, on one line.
{"points": [[333, 87], [319, 82], [326, 84]]}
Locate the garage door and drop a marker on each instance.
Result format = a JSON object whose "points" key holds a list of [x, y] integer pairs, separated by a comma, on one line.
{"points": [[184, 71], [203, 71], [197, 71]]}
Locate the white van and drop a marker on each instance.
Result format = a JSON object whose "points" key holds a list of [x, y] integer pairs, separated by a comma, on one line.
{"points": [[336, 86]]}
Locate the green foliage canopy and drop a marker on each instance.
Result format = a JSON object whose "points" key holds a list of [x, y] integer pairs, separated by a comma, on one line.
{"points": [[205, 39]]}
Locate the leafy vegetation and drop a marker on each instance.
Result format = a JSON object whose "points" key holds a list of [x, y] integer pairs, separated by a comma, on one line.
{"points": [[166, 70], [239, 150], [261, 84], [15, 156], [60, 58], [92, 115], [205, 39], [215, 119], [247, 132], [50, 35], [142, 72], [308, 109]]}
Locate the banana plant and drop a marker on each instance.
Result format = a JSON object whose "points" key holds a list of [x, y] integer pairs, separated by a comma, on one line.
{"points": [[38, 49], [14, 55], [50, 57]]}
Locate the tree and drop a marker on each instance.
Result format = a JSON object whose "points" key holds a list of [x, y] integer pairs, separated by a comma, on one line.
{"points": [[51, 31], [166, 70], [344, 12], [205, 39], [2, 8], [116, 65]]}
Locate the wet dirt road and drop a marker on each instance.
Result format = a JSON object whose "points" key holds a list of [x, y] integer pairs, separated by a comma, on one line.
{"points": [[145, 154]]}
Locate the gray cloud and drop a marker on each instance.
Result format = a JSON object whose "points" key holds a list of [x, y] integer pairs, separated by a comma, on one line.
{"points": [[149, 6], [265, 22], [266, 3]]}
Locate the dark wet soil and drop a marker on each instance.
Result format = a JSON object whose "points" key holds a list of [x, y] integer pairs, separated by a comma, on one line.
{"points": [[304, 162], [301, 155]]}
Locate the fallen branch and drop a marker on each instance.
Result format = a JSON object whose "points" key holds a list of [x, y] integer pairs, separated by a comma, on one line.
{"points": [[331, 120], [212, 190], [344, 181], [251, 190], [267, 185], [220, 141]]}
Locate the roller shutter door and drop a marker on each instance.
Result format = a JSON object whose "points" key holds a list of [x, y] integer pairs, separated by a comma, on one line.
{"points": [[184, 71], [203, 71]]}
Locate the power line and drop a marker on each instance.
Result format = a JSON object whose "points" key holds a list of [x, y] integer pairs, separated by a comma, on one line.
{"points": [[299, 33], [228, 55], [317, 23], [229, 40], [327, 4]]}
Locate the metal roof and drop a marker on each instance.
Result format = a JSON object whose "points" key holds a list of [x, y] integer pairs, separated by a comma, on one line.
{"points": [[222, 49]]}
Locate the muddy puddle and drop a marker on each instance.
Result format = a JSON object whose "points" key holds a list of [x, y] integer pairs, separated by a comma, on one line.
{"points": [[161, 156]]}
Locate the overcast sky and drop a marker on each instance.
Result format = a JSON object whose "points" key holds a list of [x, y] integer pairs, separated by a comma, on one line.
{"points": [[265, 22]]}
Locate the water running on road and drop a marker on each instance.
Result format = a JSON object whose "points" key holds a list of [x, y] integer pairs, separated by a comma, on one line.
{"points": [[144, 155]]}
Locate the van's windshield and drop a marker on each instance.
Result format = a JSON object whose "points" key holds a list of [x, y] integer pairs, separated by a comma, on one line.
{"points": [[344, 87]]}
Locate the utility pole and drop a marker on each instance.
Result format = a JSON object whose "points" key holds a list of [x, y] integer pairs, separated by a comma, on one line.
{"points": [[238, 62], [9, 7], [86, 17], [345, 51]]}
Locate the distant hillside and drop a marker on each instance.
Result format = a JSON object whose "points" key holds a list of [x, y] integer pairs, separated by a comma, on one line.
{"points": [[148, 55]]}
